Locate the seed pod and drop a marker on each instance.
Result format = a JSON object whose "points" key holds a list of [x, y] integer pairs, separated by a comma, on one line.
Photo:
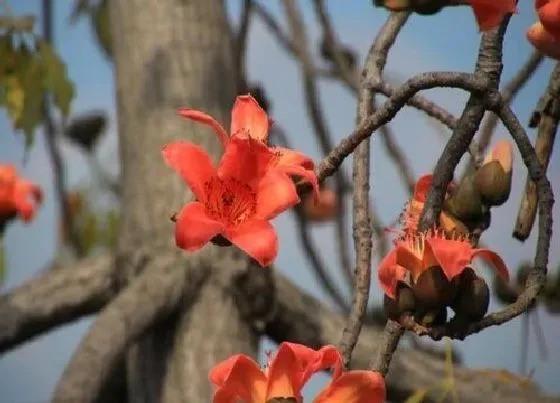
{"points": [[432, 289], [465, 202], [473, 296], [403, 303], [85, 130]]}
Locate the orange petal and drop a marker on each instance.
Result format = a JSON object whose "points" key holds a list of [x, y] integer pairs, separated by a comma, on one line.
{"points": [[296, 164], [276, 193], [495, 259], [390, 273], [238, 377], [208, 120], [192, 163], [257, 238], [194, 228], [248, 119], [285, 372], [549, 16], [354, 387], [327, 357], [544, 41], [411, 256], [451, 254], [246, 160], [324, 207], [422, 187], [490, 13]]}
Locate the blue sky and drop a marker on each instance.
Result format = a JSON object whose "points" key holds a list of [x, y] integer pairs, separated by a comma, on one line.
{"points": [[28, 374]]}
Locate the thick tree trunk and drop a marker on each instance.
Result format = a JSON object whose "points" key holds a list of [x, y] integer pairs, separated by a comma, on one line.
{"points": [[168, 54]]}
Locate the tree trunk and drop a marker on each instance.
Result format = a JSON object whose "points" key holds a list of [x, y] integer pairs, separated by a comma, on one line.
{"points": [[168, 54]]}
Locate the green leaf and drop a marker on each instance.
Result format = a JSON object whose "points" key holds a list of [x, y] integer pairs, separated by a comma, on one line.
{"points": [[32, 114], [56, 78], [7, 56]]}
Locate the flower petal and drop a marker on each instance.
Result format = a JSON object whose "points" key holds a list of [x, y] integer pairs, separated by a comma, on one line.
{"points": [[549, 15], [354, 387], [295, 163], [276, 193], [208, 120], [285, 372], [453, 255], [192, 163], [248, 119], [327, 357], [321, 208], [490, 13], [544, 41], [239, 376], [257, 238], [422, 187], [390, 273], [412, 257], [246, 160], [194, 228], [495, 259]]}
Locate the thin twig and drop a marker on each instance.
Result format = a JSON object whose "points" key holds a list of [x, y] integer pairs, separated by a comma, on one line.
{"points": [[240, 45], [549, 117]]}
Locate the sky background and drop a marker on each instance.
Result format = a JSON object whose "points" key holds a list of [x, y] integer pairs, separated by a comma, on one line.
{"points": [[447, 41]]}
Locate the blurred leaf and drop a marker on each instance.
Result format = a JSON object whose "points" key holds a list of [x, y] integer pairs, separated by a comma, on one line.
{"points": [[56, 78], [21, 24], [85, 130], [80, 8], [33, 100], [102, 27], [418, 396], [7, 56], [2, 264], [13, 97]]}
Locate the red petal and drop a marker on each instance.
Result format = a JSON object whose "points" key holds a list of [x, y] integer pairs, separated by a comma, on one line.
{"points": [[276, 193], [422, 187], [296, 164], [285, 373], [238, 376], [194, 228], [451, 254], [248, 119], [490, 13], [246, 160], [354, 387], [327, 357], [208, 120], [549, 16], [257, 238], [495, 259], [544, 41], [192, 163], [390, 273]]}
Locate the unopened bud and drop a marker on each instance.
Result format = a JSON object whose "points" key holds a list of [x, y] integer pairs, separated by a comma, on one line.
{"points": [[473, 296], [493, 178], [465, 202], [432, 317], [432, 289]]}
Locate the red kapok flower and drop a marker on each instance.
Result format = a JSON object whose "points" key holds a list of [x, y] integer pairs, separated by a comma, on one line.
{"points": [[544, 41], [415, 253], [235, 200], [549, 15], [17, 196], [239, 378], [250, 121], [321, 208], [413, 209], [490, 13]]}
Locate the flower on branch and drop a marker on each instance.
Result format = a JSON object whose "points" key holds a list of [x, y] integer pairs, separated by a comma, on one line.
{"points": [[321, 208], [544, 35], [250, 122], [239, 378], [488, 13], [236, 200], [17, 196]]}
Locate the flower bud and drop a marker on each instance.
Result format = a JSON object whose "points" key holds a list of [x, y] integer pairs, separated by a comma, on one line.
{"points": [[493, 178], [322, 208], [473, 296], [465, 202], [404, 303], [432, 289]]}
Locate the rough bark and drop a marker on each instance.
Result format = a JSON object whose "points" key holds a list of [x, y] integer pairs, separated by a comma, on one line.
{"points": [[170, 54]]}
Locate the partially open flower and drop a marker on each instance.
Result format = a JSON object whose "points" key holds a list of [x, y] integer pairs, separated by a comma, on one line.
{"points": [[17, 196], [240, 379], [415, 253], [493, 178]]}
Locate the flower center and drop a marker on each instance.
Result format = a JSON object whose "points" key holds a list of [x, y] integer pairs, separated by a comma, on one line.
{"points": [[230, 200]]}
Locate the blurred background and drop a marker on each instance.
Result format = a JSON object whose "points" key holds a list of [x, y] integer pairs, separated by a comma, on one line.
{"points": [[447, 41]]}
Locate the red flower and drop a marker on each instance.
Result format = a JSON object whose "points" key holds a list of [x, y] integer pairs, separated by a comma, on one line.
{"points": [[414, 253], [549, 15], [490, 13], [235, 200], [414, 207], [17, 196], [239, 378], [250, 122], [544, 41]]}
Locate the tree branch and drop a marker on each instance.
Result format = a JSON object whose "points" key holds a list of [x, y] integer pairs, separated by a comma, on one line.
{"points": [[548, 118], [152, 296], [303, 319], [54, 298]]}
